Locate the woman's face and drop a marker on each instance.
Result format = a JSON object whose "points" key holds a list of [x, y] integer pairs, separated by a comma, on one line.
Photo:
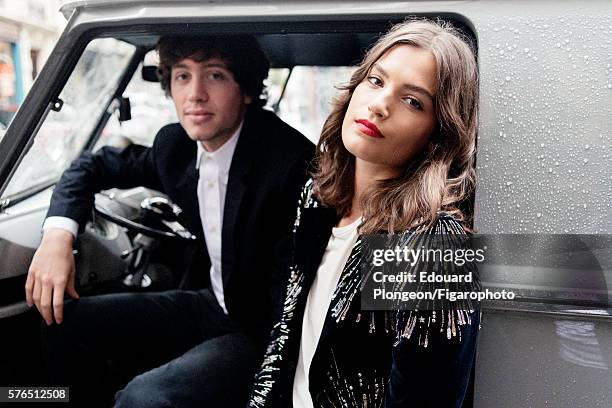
{"points": [[391, 113]]}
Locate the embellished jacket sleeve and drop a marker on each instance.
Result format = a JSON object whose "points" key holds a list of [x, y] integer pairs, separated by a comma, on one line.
{"points": [[434, 351]]}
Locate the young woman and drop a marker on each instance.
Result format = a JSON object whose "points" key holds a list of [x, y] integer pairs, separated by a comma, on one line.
{"points": [[395, 155]]}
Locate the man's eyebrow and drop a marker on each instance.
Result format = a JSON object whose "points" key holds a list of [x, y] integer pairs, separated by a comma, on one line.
{"points": [[411, 87], [207, 65]]}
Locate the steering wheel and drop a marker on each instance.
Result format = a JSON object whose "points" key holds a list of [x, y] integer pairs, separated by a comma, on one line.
{"points": [[159, 219]]}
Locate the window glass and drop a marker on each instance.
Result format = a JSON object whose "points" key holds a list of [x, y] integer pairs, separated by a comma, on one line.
{"points": [[150, 110], [277, 79], [63, 134], [306, 102]]}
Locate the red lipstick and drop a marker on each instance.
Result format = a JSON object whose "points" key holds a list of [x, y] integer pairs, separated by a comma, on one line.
{"points": [[368, 128]]}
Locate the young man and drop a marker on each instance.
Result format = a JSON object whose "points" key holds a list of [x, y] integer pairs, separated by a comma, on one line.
{"points": [[235, 170]]}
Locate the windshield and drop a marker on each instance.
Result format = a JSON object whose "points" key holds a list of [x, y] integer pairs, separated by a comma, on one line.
{"points": [[63, 134]]}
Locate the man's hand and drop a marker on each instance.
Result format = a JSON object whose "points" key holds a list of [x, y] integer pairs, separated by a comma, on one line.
{"points": [[51, 274]]}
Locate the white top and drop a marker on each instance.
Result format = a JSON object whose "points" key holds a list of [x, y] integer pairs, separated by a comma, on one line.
{"points": [[336, 254], [212, 185]]}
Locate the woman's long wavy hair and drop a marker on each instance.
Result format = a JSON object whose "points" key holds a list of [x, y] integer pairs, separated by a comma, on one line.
{"points": [[442, 175]]}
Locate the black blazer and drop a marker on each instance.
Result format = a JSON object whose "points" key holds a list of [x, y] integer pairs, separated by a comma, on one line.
{"points": [[268, 168], [364, 359]]}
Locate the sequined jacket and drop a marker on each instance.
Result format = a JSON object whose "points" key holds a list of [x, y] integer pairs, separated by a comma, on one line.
{"points": [[364, 359]]}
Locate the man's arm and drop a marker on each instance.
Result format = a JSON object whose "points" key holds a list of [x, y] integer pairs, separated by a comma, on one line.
{"points": [[110, 167], [51, 274], [63, 223], [56, 249], [52, 271]]}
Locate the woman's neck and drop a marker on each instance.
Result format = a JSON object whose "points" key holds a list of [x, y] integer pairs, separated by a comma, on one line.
{"points": [[367, 175]]}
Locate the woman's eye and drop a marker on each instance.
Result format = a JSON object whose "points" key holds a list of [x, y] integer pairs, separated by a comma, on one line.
{"points": [[374, 80], [413, 102]]}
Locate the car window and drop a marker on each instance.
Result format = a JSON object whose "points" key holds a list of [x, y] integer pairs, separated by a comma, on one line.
{"points": [[150, 110], [62, 135], [306, 102]]}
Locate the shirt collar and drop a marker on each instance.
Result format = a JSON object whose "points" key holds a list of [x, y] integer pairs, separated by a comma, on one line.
{"points": [[223, 155]]}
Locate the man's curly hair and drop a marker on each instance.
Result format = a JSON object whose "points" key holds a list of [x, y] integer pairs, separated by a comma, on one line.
{"points": [[242, 54]]}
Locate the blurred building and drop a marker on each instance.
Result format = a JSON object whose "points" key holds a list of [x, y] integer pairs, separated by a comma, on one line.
{"points": [[28, 31]]}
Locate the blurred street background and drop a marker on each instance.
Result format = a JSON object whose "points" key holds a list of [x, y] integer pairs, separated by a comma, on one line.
{"points": [[29, 30]]}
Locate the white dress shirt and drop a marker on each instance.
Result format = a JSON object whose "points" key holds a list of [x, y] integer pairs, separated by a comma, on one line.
{"points": [[64, 223], [213, 170], [336, 254], [212, 186]]}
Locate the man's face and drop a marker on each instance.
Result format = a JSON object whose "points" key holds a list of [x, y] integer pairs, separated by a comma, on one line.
{"points": [[208, 100]]}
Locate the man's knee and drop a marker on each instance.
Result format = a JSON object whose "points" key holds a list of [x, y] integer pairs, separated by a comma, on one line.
{"points": [[143, 392]]}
